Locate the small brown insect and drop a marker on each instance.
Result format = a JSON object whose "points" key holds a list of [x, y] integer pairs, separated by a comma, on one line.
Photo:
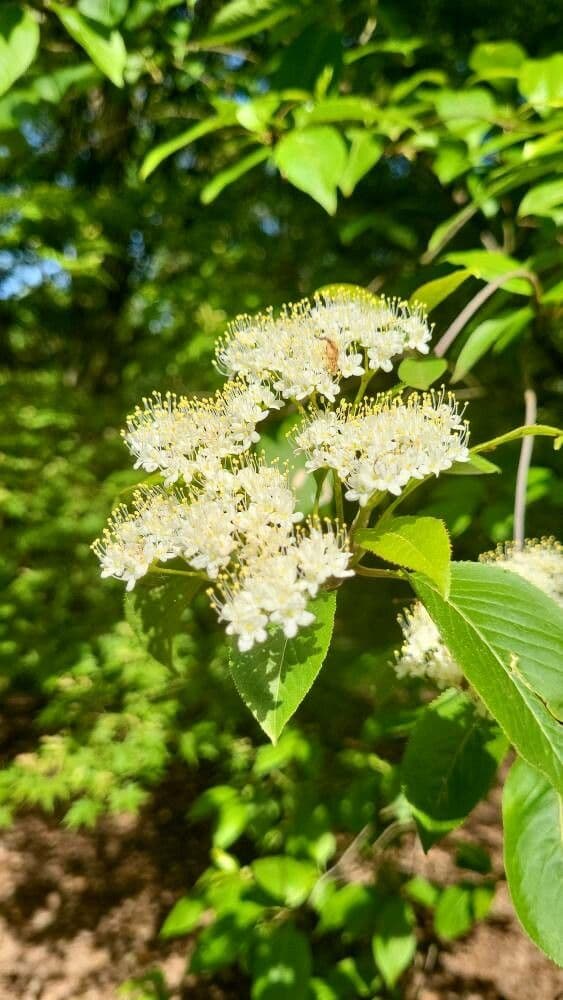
{"points": [[331, 354]]}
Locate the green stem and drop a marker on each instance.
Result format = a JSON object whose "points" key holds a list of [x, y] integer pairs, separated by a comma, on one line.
{"points": [[366, 379], [338, 500], [176, 572], [379, 574], [409, 488], [542, 430]]}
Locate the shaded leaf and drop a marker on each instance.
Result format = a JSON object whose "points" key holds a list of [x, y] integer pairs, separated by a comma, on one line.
{"points": [[488, 333], [165, 149], [19, 38], [154, 610], [434, 292], [394, 943]]}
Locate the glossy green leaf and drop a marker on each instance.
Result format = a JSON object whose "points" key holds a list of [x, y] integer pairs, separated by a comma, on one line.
{"points": [[286, 879], [281, 965], [108, 12], [105, 47], [507, 637], [183, 917], [497, 60], [154, 610], [19, 38], [487, 334], [365, 151], [450, 762], [232, 174], [541, 81], [434, 292], [544, 199], [421, 373], [476, 466], [166, 149], [418, 543], [313, 160], [489, 266], [274, 677], [533, 855], [241, 18], [394, 943]]}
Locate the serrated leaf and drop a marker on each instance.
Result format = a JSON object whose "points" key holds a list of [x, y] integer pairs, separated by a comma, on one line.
{"points": [[533, 855], [105, 47], [449, 764], [418, 543], [231, 174], [19, 38], [507, 637], [488, 333], [394, 943], [154, 610], [313, 160], [165, 149], [421, 373], [434, 292], [286, 879], [274, 677]]}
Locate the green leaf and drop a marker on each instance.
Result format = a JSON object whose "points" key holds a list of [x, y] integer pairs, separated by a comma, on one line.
{"points": [[281, 965], [165, 149], [418, 543], [507, 637], [19, 38], [154, 610], [364, 153], [286, 879], [241, 18], [454, 912], [544, 199], [533, 855], [471, 104], [105, 47], [108, 12], [394, 943], [485, 335], [449, 764], [476, 466], [225, 177], [313, 160], [497, 60], [338, 109], [274, 677], [541, 81], [421, 891], [255, 115], [421, 373], [434, 292], [183, 917], [488, 266], [352, 909], [227, 939]]}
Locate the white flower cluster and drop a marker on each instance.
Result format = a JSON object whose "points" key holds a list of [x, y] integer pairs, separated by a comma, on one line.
{"points": [[423, 653], [309, 347], [183, 438], [238, 530], [383, 443]]}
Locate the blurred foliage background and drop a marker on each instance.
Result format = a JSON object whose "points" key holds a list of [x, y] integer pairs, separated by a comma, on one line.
{"points": [[164, 166]]}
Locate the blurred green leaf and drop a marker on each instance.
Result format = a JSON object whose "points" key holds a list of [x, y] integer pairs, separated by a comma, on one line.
{"points": [[434, 292], [108, 12], [285, 879], [488, 333], [105, 47], [421, 373], [227, 116], [394, 942], [281, 965], [183, 917], [541, 81], [226, 177], [19, 38], [494, 60], [365, 151]]}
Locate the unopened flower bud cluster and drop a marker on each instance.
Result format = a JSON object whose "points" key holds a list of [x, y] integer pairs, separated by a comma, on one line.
{"points": [[424, 655], [231, 517]]}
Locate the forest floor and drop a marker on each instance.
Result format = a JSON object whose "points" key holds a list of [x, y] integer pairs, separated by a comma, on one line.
{"points": [[80, 913]]}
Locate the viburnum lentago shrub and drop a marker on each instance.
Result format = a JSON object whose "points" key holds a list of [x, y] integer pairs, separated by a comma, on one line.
{"points": [[488, 635]]}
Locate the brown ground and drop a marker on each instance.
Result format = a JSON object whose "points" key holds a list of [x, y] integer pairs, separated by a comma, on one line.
{"points": [[80, 913]]}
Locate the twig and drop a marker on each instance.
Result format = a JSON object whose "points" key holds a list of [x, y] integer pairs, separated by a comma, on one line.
{"points": [[383, 574], [476, 302], [523, 469]]}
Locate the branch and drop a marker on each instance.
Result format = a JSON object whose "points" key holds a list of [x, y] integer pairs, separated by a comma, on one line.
{"points": [[523, 469]]}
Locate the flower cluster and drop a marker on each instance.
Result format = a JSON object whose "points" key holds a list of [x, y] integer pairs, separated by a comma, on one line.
{"points": [[383, 443], [310, 347], [230, 517], [238, 530], [423, 653]]}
